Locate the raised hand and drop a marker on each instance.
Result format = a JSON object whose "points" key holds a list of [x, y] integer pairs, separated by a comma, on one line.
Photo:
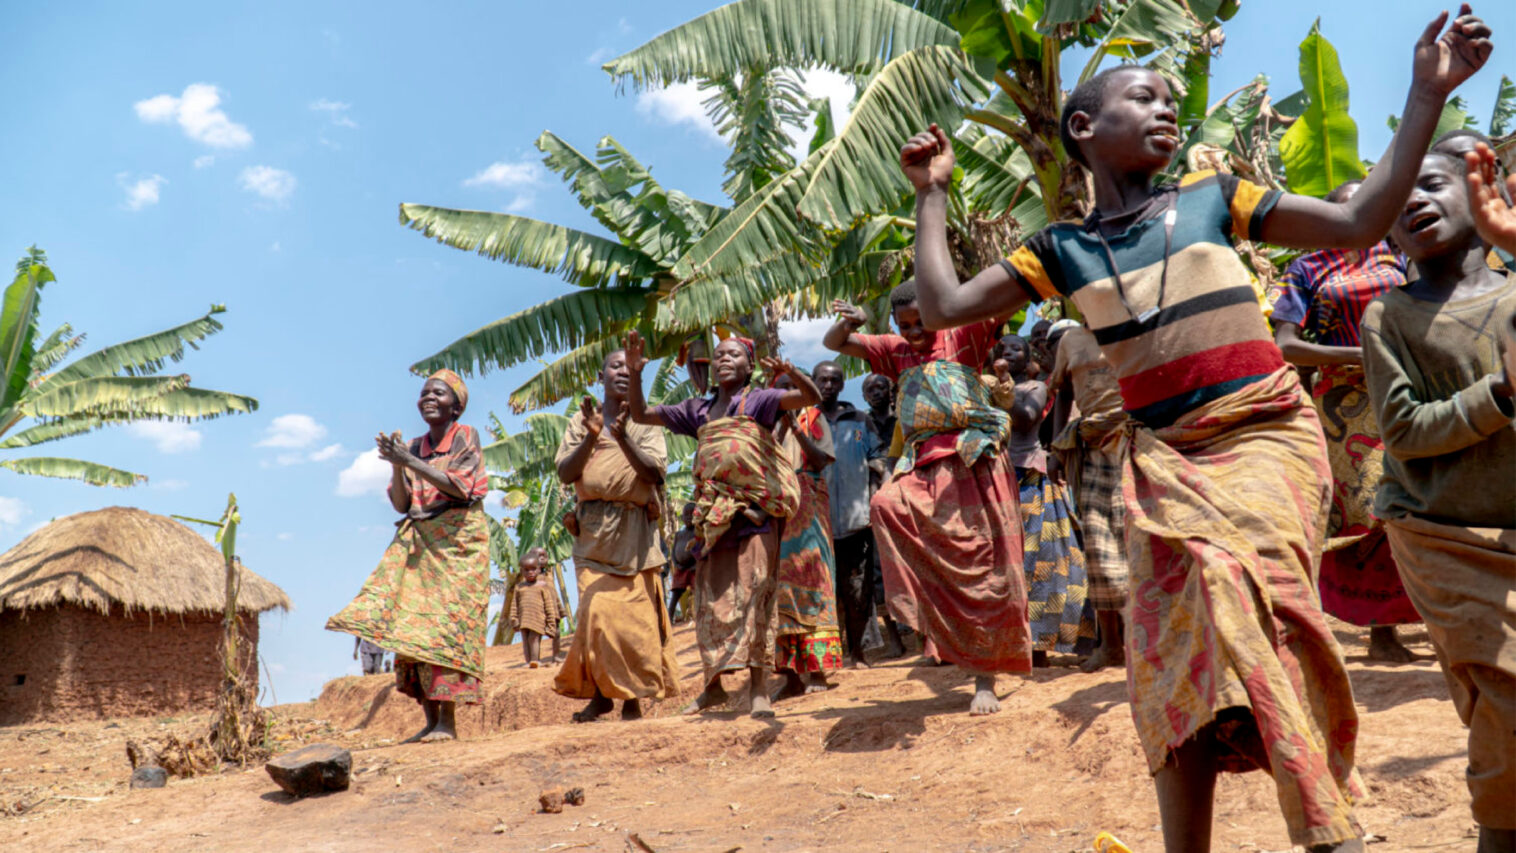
{"points": [[1493, 215], [849, 312], [636, 350], [776, 366], [927, 159], [1444, 62], [1002, 369], [392, 448], [594, 422], [618, 426]]}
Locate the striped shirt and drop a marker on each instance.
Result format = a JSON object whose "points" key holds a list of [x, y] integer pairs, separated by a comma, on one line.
{"points": [[1208, 338], [1325, 292]]}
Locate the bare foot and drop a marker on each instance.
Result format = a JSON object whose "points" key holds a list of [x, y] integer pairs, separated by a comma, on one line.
{"points": [[791, 687], [631, 709], [591, 712], [417, 737], [437, 735], [761, 708], [1352, 845], [1104, 656], [893, 651], [1385, 646], [713, 696], [817, 684], [985, 701], [859, 663]]}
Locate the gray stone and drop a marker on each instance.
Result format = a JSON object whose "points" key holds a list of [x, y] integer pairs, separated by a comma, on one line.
{"points": [[149, 776], [315, 769]]}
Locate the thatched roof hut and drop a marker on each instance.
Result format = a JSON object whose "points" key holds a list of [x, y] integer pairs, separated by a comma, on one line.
{"points": [[117, 612], [120, 556]]}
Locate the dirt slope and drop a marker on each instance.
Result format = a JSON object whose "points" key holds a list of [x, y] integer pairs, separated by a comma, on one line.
{"points": [[887, 761]]}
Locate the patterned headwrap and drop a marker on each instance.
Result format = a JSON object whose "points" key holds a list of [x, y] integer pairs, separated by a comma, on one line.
{"points": [[455, 382], [752, 350]]}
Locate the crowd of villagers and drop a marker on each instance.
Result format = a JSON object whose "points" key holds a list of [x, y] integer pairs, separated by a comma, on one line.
{"points": [[1180, 482]]}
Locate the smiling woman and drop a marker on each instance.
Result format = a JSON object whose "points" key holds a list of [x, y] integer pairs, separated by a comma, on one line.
{"points": [[427, 600]]}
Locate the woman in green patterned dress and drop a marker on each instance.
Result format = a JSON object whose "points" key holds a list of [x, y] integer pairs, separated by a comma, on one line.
{"points": [[428, 598]]}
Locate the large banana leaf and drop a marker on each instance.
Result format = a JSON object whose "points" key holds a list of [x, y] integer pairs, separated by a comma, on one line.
{"points": [[143, 356], [54, 430], [996, 173], [1503, 114], [529, 453], [754, 115], [1147, 23], [571, 373], [55, 349], [762, 228], [73, 469], [126, 398], [658, 222], [562, 322], [18, 324], [1320, 150], [852, 36], [859, 174], [573, 255]]}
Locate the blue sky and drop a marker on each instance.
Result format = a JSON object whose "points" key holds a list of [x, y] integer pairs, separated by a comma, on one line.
{"points": [[169, 156]]}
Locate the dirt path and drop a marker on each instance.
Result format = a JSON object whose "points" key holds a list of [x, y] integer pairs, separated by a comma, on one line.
{"points": [[887, 761]]}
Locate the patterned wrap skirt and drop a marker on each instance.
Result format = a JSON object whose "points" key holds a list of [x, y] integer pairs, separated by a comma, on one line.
{"points": [[950, 553], [427, 603], [1088, 449], [1359, 582], [1062, 618], [806, 612], [1226, 513], [735, 597]]}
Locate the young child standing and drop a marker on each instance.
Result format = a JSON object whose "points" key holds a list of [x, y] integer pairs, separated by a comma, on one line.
{"points": [[1230, 663], [534, 611], [947, 522], [1448, 497]]}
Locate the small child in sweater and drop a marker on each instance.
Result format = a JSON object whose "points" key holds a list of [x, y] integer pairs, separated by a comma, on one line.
{"points": [[534, 611]]}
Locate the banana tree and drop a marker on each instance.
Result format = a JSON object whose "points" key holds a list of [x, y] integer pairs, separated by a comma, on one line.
{"points": [[115, 385]]}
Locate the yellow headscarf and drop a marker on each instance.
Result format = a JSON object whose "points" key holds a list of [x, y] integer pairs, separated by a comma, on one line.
{"points": [[455, 382]]}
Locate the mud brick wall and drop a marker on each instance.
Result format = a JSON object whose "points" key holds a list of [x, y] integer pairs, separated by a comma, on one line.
{"points": [[67, 663]]}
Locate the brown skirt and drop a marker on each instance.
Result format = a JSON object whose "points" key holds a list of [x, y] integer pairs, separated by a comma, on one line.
{"points": [[735, 603], [621, 642]]}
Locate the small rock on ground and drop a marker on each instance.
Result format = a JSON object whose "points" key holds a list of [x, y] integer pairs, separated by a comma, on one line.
{"points": [[149, 776]]}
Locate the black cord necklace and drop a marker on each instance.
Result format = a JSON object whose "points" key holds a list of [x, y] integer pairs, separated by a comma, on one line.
{"points": [[1170, 214]]}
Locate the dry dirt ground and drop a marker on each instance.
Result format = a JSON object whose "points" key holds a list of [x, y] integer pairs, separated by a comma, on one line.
{"points": [[889, 760]]}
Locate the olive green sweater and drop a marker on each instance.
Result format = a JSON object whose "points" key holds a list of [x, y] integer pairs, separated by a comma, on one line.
{"points": [[1450, 442]]}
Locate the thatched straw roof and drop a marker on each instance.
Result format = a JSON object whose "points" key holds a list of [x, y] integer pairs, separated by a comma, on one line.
{"points": [[125, 556]]}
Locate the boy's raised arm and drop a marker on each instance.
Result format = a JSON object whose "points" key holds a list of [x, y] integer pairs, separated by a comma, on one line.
{"points": [[841, 336], [1440, 64], [927, 159]]}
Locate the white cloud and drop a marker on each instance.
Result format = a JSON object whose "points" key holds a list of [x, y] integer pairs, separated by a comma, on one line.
{"points": [[504, 175], [328, 452], [523, 201], [273, 184], [802, 341], [367, 475], [835, 87], [198, 114], [12, 510], [599, 56], [142, 192], [681, 103], [336, 112], [167, 436], [205, 161], [284, 537], [293, 431], [169, 485]]}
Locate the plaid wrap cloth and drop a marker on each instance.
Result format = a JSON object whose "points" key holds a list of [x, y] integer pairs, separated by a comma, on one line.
{"points": [[946, 397]]}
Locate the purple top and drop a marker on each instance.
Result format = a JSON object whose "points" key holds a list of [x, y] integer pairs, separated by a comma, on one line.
{"points": [[687, 417]]}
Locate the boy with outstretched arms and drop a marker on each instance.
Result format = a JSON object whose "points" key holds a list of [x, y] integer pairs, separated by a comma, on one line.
{"points": [[946, 521], [1443, 398], [1230, 663]]}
